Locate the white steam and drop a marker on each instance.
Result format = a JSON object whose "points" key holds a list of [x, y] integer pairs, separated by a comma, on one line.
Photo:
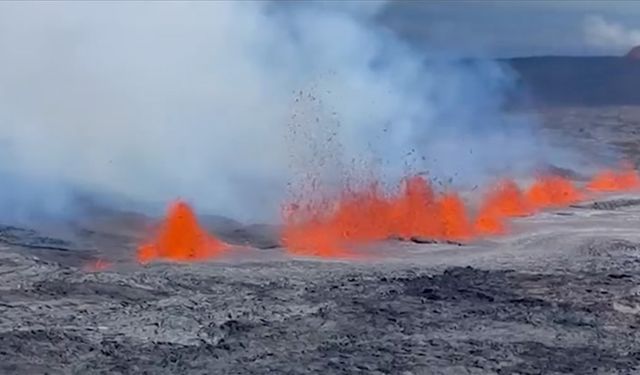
{"points": [[601, 33], [197, 100]]}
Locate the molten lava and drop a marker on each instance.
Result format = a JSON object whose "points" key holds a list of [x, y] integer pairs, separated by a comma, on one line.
{"points": [[553, 191], [415, 211], [503, 201], [454, 218], [360, 217], [610, 180], [327, 228], [181, 238]]}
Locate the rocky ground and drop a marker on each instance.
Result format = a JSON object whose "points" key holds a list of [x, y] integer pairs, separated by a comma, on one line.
{"points": [[561, 295]]}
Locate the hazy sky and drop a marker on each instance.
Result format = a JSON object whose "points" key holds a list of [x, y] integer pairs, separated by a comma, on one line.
{"points": [[518, 28]]}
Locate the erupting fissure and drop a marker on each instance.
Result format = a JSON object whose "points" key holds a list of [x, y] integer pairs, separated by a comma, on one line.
{"points": [[331, 227], [416, 210]]}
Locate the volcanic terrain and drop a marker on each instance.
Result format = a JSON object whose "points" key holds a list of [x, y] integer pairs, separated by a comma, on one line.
{"points": [[561, 295], [558, 294]]}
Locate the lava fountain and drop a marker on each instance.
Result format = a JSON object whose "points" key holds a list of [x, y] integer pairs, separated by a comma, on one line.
{"points": [[553, 192], [608, 180], [181, 238], [502, 201], [363, 216]]}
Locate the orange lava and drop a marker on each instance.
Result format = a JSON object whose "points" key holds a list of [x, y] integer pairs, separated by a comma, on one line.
{"points": [[327, 228], [610, 181], [503, 201], [310, 238], [360, 217], [490, 223], [333, 227], [415, 211], [552, 192], [306, 232], [456, 225], [181, 238]]}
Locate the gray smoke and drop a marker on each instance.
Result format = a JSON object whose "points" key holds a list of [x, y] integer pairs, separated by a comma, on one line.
{"points": [[154, 101]]}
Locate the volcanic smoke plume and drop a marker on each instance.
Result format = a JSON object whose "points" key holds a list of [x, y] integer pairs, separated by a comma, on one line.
{"points": [[223, 103]]}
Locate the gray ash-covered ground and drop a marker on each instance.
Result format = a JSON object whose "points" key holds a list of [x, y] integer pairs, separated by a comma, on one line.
{"points": [[559, 296]]}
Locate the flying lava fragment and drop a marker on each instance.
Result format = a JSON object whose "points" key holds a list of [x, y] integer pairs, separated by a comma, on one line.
{"points": [[181, 238]]}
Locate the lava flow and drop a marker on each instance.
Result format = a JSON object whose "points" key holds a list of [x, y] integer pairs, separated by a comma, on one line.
{"points": [[181, 238]]}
